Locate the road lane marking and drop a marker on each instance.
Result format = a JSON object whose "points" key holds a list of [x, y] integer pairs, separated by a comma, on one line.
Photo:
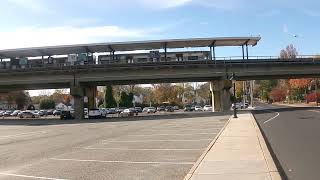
{"points": [[277, 114], [314, 111], [171, 134], [125, 162], [169, 140], [22, 134], [32, 177], [144, 149]]}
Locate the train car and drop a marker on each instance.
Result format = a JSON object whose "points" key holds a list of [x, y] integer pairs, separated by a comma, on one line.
{"points": [[153, 56]]}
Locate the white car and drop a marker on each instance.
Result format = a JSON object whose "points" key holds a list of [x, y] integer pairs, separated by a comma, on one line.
{"points": [[151, 110], [198, 108], [94, 113], [207, 108]]}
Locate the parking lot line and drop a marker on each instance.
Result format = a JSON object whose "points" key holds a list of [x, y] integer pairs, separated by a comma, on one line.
{"points": [[168, 140], [125, 162], [22, 134], [143, 149], [170, 134], [163, 129], [31, 177]]}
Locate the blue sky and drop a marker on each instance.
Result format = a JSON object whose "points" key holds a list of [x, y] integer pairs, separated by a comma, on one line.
{"points": [[27, 23]]}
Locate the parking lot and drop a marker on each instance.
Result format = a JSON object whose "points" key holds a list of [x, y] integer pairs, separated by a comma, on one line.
{"points": [[147, 147]]}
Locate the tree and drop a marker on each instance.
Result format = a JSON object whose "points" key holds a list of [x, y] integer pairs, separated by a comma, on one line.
{"points": [[21, 98], [277, 95], [204, 92], [47, 104], [265, 88], [109, 101], [299, 83], [290, 52]]}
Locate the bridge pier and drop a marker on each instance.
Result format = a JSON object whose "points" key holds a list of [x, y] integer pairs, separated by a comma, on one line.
{"points": [[90, 93], [78, 93], [220, 90]]}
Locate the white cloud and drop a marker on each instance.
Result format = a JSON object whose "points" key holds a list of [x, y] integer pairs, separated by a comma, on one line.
{"points": [[37, 36]]}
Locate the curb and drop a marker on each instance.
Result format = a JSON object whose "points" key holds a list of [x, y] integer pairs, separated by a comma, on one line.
{"points": [[271, 164], [197, 163]]}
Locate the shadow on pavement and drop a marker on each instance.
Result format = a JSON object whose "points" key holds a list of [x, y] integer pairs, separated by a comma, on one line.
{"points": [[47, 122], [283, 109]]}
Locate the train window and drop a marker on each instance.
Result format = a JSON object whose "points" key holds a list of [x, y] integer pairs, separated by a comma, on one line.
{"points": [[192, 58]]}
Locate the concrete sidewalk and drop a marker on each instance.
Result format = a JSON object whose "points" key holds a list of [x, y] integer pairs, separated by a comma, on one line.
{"points": [[239, 152]]}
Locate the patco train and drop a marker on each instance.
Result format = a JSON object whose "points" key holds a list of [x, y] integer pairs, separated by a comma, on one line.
{"points": [[88, 58]]}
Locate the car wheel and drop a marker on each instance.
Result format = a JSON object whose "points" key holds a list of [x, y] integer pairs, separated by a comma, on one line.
{"points": [[33, 116]]}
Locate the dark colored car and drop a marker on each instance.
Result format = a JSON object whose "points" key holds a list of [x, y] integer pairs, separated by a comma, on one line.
{"points": [[188, 108], [169, 109], [138, 109], [50, 112], [66, 115], [161, 108], [56, 113]]}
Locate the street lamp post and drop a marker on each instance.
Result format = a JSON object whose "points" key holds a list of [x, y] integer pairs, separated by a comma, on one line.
{"points": [[234, 95], [316, 89]]}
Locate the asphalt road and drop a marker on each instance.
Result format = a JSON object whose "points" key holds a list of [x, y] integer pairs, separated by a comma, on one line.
{"points": [[294, 136], [150, 147]]}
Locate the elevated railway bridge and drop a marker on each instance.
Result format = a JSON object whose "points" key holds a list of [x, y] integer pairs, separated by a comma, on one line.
{"points": [[76, 67]]}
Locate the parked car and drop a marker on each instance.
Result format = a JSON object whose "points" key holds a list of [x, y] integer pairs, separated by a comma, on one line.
{"points": [[169, 109], [128, 112], [120, 109], [188, 109], [28, 114], [176, 107], [207, 108], [138, 109], [43, 113], [95, 114], [237, 105], [111, 111], [15, 113], [56, 112], [161, 108], [7, 113], [50, 112], [67, 115], [103, 112], [1, 113], [150, 110], [198, 108]]}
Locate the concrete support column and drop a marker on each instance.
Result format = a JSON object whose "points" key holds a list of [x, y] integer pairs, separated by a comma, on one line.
{"points": [[90, 93], [220, 90], [77, 93]]}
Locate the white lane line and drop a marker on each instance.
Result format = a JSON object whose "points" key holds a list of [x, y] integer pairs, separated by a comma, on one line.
{"points": [[22, 134], [171, 134], [277, 114], [144, 149], [125, 162], [314, 111], [25, 176], [169, 140]]}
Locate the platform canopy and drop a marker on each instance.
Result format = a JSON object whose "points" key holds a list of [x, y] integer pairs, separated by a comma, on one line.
{"points": [[128, 46]]}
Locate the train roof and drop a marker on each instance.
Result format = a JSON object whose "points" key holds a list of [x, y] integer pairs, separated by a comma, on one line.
{"points": [[128, 46]]}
